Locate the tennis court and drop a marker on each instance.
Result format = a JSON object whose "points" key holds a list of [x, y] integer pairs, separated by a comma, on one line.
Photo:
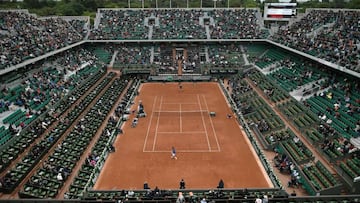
{"points": [[209, 148], [183, 116]]}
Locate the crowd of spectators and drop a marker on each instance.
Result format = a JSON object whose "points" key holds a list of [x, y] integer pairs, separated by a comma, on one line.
{"points": [[133, 55], [81, 26], [337, 41], [24, 36], [235, 24], [169, 58], [7, 180], [164, 58], [121, 25], [51, 81], [192, 59], [37, 89], [295, 35], [262, 125], [238, 87], [61, 172], [283, 163], [225, 55], [92, 159], [297, 73], [340, 144], [35, 153], [72, 60], [340, 43], [326, 130], [179, 24], [43, 86], [32, 37], [277, 137], [343, 106]]}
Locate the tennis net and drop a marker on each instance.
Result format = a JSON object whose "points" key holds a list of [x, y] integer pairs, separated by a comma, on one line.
{"points": [[180, 113]]}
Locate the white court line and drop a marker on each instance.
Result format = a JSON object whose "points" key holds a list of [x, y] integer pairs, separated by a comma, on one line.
{"points": [[157, 125], [212, 125], [180, 120], [179, 103], [184, 132], [184, 151], [195, 111], [202, 117], [148, 130]]}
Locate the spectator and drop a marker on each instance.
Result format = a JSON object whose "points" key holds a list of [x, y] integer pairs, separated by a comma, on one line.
{"points": [[59, 177], [180, 198], [258, 200]]}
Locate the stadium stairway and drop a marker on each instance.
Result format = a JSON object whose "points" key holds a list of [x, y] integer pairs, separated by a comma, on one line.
{"points": [[152, 55], [207, 29], [355, 142], [260, 20], [113, 58], [151, 31], [317, 93], [207, 54], [97, 19], [270, 68], [244, 55], [298, 93]]}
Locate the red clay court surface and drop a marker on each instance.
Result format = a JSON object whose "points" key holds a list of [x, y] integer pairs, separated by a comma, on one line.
{"points": [[208, 148]]}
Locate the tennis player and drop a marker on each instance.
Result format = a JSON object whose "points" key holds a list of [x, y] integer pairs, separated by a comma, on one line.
{"points": [[173, 153]]}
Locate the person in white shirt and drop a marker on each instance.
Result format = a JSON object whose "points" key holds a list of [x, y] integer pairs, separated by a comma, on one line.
{"points": [[59, 177]]}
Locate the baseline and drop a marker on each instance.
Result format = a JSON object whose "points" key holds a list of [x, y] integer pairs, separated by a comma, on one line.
{"points": [[184, 132], [179, 103], [183, 151]]}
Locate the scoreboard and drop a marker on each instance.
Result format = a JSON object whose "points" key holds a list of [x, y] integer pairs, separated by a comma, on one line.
{"points": [[279, 11]]}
